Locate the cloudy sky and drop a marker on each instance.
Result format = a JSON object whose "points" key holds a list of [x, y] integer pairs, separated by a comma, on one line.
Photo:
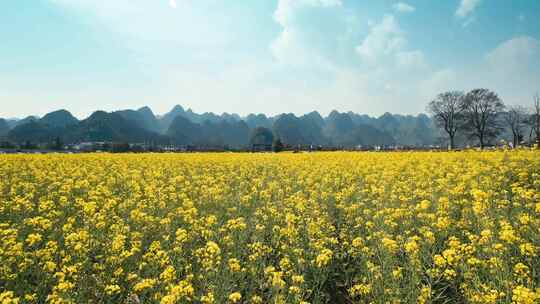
{"points": [[268, 56]]}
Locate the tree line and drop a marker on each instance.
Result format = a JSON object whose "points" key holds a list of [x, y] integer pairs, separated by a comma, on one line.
{"points": [[482, 115]]}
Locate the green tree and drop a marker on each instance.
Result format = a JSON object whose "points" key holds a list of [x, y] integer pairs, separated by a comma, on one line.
{"points": [[534, 120], [58, 145], [277, 145], [482, 108], [516, 119], [447, 111], [261, 138]]}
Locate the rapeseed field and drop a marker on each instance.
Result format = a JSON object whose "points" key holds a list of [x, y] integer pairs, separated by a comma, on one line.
{"points": [[342, 227]]}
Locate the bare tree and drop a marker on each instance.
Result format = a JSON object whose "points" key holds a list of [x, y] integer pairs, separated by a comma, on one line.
{"points": [[481, 109], [534, 120], [516, 119], [447, 111]]}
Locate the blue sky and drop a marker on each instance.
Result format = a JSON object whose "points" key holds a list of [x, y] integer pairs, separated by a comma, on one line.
{"points": [[268, 56]]}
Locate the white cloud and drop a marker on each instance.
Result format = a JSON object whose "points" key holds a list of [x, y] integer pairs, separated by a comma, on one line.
{"points": [[412, 59], [402, 7], [394, 70], [466, 7], [154, 21], [368, 88], [510, 69], [288, 49], [515, 55], [391, 70], [437, 82], [286, 9], [513, 69], [384, 38], [297, 43]]}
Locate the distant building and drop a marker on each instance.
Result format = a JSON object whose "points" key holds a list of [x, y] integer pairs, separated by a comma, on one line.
{"points": [[89, 146], [261, 148]]}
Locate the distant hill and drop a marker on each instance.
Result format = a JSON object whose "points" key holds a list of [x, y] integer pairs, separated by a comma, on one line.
{"points": [[59, 119], [144, 118], [312, 126], [17, 122], [258, 120], [35, 131], [365, 135], [289, 129], [406, 130], [4, 127], [222, 133], [342, 130], [183, 131], [185, 127], [338, 124], [167, 118], [53, 125], [103, 126], [229, 132], [149, 119]]}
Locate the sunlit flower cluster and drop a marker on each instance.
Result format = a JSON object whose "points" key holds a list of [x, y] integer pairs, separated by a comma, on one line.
{"points": [[336, 227]]}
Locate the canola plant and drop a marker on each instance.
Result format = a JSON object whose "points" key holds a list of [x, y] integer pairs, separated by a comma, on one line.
{"points": [[337, 227]]}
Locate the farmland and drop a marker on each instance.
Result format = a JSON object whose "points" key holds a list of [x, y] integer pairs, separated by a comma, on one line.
{"points": [[342, 227]]}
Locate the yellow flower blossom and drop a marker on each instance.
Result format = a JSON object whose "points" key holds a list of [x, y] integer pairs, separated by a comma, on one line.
{"points": [[270, 228], [235, 297]]}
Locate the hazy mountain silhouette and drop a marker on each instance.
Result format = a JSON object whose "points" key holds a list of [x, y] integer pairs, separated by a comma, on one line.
{"points": [[144, 118], [34, 131], [183, 131], [4, 127], [258, 120], [103, 126], [185, 127], [53, 125], [289, 129], [342, 130], [17, 122], [312, 128], [60, 118], [167, 118], [230, 132], [220, 133]]}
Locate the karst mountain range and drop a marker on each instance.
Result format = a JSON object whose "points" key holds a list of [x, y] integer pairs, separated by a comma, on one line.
{"points": [[185, 127]]}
